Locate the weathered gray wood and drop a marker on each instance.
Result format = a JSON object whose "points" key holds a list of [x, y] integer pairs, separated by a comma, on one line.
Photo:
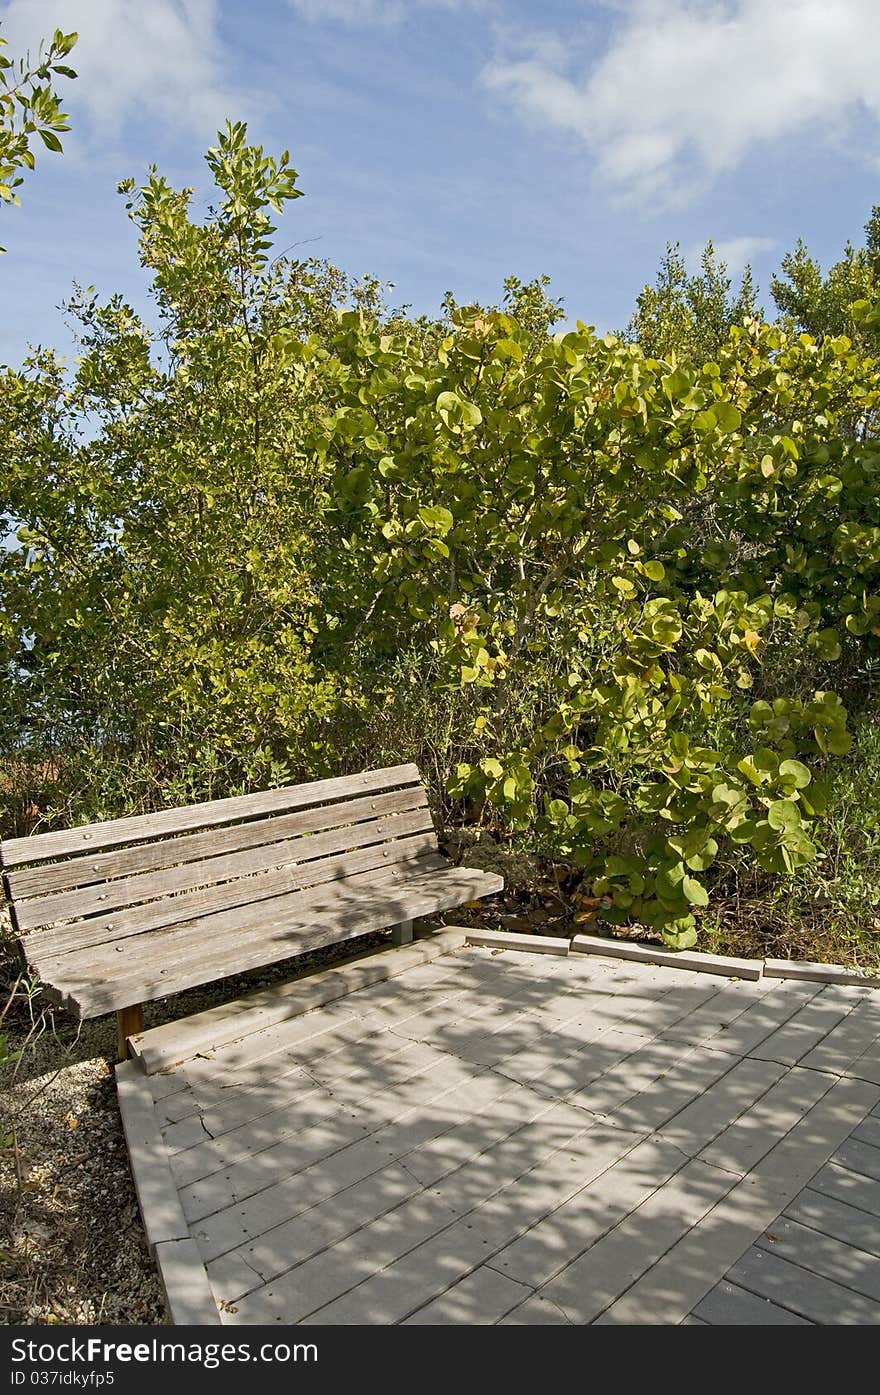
{"points": [[15, 852], [161, 1047], [840, 1050], [751, 1136], [832, 1259], [328, 1161], [212, 912], [187, 1291], [616, 1261], [868, 1131], [730, 1306], [260, 935], [812, 1296], [387, 895], [791, 1042], [852, 1187], [12, 909], [695, 1126], [157, 1193], [860, 1157], [123, 921], [815, 973], [188, 1295], [508, 939], [193, 847], [672, 959], [484, 1297], [283, 925], [129, 891], [835, 1218], [100, 931], [402, 933]]}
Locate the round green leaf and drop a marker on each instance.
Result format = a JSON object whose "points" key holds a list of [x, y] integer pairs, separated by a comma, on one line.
{"points": [[796, 772], [694, 891]]}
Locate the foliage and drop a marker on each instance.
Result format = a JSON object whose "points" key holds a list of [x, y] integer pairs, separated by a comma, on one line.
{"points": [[562, 518], [161, 593], [30, 108], [822, 305], [828, 908], [690, 316], [603, 586]]}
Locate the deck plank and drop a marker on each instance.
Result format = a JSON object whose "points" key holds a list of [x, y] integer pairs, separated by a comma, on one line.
{"points": [[523, 1139], [832, 1259], [810, 1295], [729, 1305]]}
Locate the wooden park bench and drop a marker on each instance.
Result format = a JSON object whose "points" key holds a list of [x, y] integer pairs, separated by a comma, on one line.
{"points": [[115, 914]]}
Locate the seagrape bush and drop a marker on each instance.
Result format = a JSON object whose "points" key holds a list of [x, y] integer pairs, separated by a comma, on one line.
{"points": [[662, 528], [629, 583]]}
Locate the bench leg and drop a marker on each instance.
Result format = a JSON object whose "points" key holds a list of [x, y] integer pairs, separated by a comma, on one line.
{"points": [[129, 1021], [402, 934]]}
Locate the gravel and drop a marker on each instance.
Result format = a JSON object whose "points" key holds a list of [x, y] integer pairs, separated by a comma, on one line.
{"points": [[72, 1247]]}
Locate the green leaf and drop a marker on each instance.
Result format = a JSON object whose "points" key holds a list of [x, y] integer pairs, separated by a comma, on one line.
{"points": [[437, 518], [729, 418], [694, 892], [654, 571], [748, 768], [508, 348], [676, 385], [678, 935], [624, 586], [50, 140], [797, 773], [783, 815], [826, 643]]}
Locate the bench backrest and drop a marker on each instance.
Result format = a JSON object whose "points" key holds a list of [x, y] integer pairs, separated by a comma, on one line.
{"points": [[92, 885]]}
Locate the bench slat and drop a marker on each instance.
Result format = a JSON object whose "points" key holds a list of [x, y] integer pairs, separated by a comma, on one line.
{"points": [[17, 852], [345, 912], [88, 869], [129, 891], [145, 907], [117, 927], [173, 945]]}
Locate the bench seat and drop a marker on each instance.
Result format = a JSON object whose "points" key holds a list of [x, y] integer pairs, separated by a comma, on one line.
{"points": [[115, 914]]}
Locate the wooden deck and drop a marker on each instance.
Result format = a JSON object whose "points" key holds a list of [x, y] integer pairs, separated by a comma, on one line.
{"points": [[503, 1137]]}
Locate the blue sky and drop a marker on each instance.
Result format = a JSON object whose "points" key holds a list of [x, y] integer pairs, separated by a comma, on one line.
{"points": [[444, 144]]}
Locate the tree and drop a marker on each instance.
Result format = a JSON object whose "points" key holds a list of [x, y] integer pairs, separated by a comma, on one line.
{"points": [[162, 524], [29, 107], [820, 304], [273, 536], [690, 316]]}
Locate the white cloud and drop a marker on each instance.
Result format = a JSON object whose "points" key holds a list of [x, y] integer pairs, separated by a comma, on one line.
{"points": [[373, 12], [735, 252], [136, 60], [352, 11], [738, 252], [686, 89]]}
